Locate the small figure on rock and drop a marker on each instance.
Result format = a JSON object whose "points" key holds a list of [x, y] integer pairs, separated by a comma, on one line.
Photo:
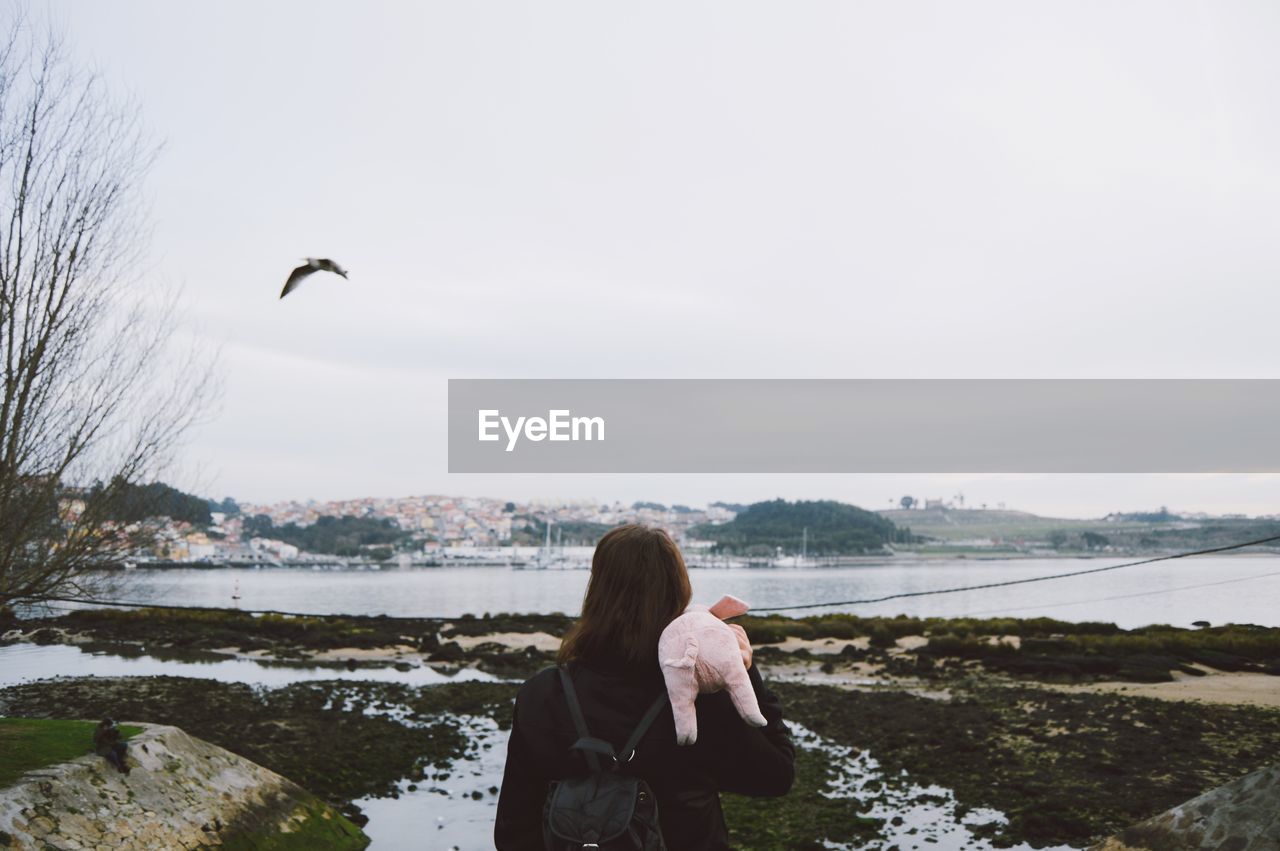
{"points": [[107, 744]]}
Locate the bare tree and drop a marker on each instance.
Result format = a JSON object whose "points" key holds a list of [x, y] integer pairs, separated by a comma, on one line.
{"points": [[94, 398]]}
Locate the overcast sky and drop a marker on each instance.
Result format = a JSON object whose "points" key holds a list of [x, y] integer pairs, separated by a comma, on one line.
{"points": [[737, 189]]}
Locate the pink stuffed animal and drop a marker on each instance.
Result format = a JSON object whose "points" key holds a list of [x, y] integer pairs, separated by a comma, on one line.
{"points": [[699, 654]]}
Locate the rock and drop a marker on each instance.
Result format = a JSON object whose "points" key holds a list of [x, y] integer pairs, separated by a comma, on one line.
{"points": [[450, 652], [181, 792], [1243, 815]]}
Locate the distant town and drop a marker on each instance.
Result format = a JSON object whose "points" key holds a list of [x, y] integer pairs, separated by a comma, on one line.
{"points": [[439, 529], [434, 524]]}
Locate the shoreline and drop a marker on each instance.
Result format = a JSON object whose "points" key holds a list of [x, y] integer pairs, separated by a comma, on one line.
{"points": [[1073, 731], [327, 562]]}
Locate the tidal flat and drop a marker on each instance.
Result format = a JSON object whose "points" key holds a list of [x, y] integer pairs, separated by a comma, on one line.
{"points": [[999, 726]]}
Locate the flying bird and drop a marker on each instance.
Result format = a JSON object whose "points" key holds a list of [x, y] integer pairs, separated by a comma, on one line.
{"points": [[313, 264]]}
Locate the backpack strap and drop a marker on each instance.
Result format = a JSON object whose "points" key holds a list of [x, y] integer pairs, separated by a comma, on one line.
{"points": [[629, 749], [580, 723], [591, 746]]}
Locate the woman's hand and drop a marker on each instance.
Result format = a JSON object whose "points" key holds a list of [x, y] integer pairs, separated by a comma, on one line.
{"points": [[744, 643]]}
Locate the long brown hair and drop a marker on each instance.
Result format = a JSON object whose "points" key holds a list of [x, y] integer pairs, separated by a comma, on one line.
{"points": [[638, 585]]}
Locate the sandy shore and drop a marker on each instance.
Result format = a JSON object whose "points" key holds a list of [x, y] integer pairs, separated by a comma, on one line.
{"points": [[511, 640], [1235, 689], [832, 646]]}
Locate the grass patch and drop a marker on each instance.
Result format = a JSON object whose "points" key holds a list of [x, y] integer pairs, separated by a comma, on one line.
{"points": [[30, 743], [316, 828]]}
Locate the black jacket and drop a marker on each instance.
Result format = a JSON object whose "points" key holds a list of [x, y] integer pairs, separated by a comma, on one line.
{"points": [[729, 756]]}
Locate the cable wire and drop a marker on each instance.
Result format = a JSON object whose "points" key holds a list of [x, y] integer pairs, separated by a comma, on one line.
{"points": [[1121, 596], [1030, 579]]}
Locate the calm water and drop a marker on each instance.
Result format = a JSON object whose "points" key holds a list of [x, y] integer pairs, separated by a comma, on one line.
{"points": [[1239, 589], [21, 663]]}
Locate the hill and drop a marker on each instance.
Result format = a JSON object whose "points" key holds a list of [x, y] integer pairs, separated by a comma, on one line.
{"points": [[948, 524], [339, 536], [131, 503], [833, 528], [1124, 533]]}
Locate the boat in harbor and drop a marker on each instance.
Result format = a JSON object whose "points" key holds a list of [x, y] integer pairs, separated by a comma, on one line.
{"points": [[800, 559], [552, 558]]}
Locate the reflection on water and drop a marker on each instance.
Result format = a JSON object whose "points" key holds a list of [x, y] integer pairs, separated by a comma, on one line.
{"points": [[454, 808], [21, 663], [1239, 589]]}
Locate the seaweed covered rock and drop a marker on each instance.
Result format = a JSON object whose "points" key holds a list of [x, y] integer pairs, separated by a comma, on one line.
{"points": [[1243, 815]]}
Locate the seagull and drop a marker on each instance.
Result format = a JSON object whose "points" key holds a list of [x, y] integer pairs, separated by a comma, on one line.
{"points": [[313, 264]]}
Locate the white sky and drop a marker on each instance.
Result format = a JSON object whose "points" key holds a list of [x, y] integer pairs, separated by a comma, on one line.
{"points": [[736, 189]]}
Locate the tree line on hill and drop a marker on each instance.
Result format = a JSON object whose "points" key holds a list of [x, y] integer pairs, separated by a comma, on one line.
{"points": [[824, 527], [127, 502]]}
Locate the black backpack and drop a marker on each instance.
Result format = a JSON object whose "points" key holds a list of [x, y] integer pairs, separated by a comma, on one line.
{"points": [[605, 808]]}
